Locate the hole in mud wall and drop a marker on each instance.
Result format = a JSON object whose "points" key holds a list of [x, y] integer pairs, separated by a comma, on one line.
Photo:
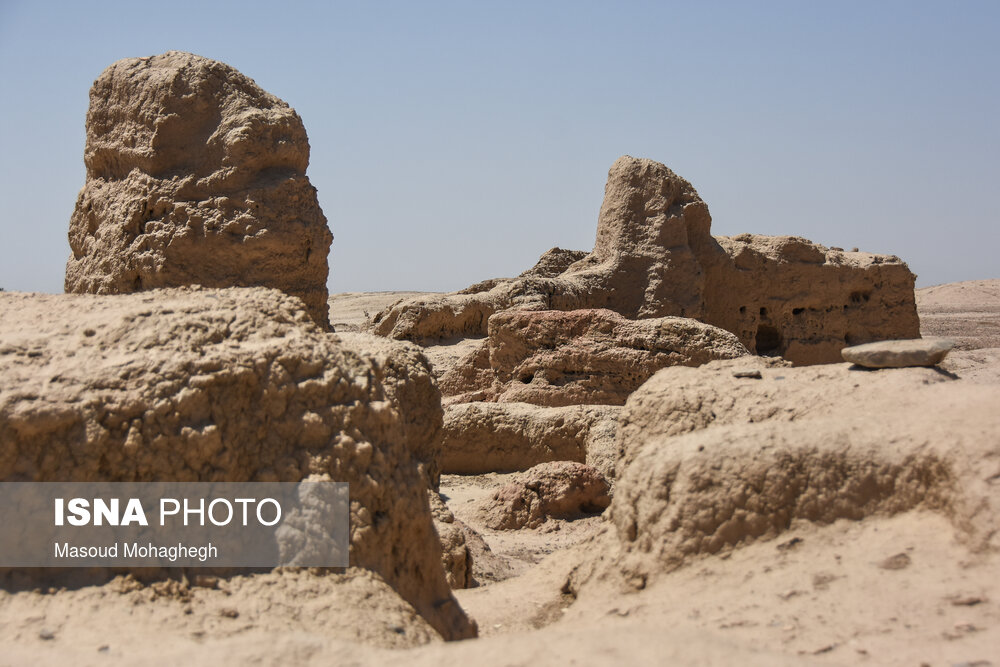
{"points": [[860, 297], [768, 340]]}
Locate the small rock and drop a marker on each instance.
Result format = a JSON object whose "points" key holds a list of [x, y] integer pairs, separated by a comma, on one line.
{"points": [[967, 600], [46, 634], [752, 374], [821, 580], [898, 562], [229, 612], [790, 544], [899, 353]]}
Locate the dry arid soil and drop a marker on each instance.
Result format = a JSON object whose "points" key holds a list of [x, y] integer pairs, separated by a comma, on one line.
{"points": [[898, 580]]}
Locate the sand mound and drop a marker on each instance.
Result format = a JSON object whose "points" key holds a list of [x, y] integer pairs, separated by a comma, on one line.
{"points": [[968, 313], [959, 297], [195, 176], [712, 461]]}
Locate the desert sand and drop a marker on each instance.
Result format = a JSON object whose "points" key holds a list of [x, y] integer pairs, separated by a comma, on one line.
{"points": [[903, 589]]}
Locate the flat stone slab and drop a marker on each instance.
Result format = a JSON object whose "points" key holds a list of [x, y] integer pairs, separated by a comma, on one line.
{"points": [[899, 353]]}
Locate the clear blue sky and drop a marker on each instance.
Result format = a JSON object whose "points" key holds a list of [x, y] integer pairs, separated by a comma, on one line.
{"points": [[453, 142]]}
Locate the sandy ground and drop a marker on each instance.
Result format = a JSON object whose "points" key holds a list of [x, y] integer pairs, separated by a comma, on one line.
{"points": [[967, 312], [350, 311], [899, 590]]}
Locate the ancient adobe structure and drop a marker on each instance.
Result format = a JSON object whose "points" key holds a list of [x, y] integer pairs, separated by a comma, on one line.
{"points": [[238, 385], [655, 256], [195, 175], [196, 180], [710, 461], [579, 357]]}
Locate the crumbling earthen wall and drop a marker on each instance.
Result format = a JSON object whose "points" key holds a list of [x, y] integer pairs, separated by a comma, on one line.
{"points": [[783, 295], [654, 256], [195, 176], [579, 357], [716, 457], [230, 385]]}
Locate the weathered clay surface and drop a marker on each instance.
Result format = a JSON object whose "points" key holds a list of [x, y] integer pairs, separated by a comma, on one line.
{"points": [[195, 175], [580, 357], [485, 437], [193, 384], [654, 256], [455, 555], [471, 377], [603, 447], [432, 318], [644, 261], [554, 263], [680, 400], [467, 559], [551, 264], [559, 490], [783, 295], [899, 353], [712, 461], [450, 354], [487, 565]]}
